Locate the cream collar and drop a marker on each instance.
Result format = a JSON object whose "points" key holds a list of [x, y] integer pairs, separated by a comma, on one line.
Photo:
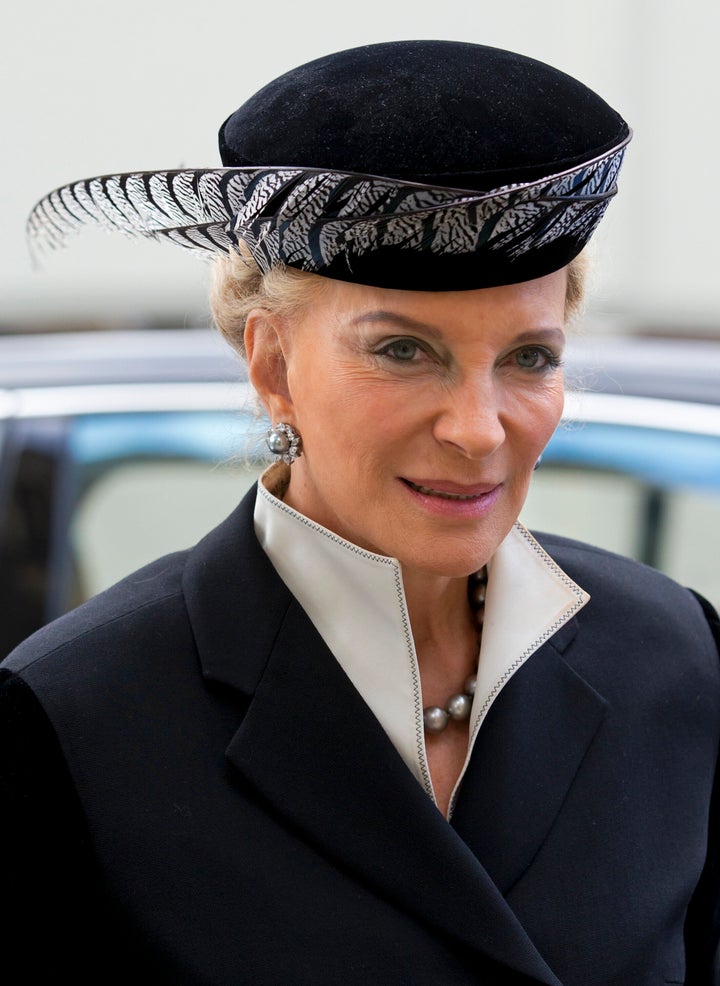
{"points": [[356, 601]]}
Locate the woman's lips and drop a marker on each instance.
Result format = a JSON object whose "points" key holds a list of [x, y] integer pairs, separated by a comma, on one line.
{"points": [[452, 499], [450, 491]]}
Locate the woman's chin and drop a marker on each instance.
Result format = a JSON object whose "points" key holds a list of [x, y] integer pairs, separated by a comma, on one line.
{"points": [[449, 557]]}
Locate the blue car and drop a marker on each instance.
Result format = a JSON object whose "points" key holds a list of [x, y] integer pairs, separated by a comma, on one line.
{"points": [[116, 447]]}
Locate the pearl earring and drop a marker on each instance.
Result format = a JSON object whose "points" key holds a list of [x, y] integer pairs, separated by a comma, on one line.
{"points": [[284, 442]]}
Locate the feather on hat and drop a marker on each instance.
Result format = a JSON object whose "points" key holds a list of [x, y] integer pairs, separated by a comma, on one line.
{"points": [[427, 165]]}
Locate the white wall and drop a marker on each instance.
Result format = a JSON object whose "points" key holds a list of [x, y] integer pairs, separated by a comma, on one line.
{"points": [[91, 87]]}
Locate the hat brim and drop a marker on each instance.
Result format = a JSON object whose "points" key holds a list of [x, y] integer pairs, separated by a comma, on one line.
{"points": [[362, 228]]}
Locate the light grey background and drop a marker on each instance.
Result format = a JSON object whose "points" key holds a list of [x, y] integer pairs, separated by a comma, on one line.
{"points": [[91, 87]]}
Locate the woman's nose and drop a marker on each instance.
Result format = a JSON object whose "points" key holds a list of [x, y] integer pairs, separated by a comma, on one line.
{"points": [[470, 419]]}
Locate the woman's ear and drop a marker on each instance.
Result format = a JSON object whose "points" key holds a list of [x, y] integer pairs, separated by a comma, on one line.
{"points": [[267, 367]]}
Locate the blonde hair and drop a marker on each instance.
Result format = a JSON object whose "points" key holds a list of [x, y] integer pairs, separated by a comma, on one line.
{"points": [[577, 277], [239, 286]]}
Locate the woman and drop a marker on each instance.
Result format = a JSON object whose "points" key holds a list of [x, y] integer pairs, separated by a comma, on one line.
{"points": [[370, 729]]}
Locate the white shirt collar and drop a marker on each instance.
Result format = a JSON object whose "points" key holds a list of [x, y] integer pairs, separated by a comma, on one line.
{"points": [[356, 601]]}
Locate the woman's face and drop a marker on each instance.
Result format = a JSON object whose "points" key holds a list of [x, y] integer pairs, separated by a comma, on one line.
{"points": [[421, 414]]}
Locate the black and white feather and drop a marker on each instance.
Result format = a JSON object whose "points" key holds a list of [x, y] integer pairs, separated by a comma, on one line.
{"points": [[308, 218]]}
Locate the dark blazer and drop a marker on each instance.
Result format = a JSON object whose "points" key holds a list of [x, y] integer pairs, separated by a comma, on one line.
{"points": [[194, 793]]}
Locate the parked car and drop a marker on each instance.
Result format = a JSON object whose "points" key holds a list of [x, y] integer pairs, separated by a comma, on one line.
{"points": [[117, 447]]}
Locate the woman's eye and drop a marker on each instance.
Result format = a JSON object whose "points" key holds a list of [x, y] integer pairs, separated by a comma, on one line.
{"points": [[403, 350], [536, 358]]}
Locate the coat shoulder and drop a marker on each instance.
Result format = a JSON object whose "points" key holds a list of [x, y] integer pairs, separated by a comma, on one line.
{"points": [[631, 601], [609, 572]]}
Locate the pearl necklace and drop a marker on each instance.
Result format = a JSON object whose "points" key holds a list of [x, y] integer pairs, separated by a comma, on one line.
{"points": [[458, 706]]}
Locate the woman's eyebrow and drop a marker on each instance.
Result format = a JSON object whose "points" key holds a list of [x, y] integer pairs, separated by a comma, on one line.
{"points": [[546, 333], [543, 332], [401, 321]]}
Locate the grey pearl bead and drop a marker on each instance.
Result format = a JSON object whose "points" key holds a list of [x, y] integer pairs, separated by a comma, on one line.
{"points": [[278, 442], [477, 594], [435, 719], [470, 684], [458, 707]]}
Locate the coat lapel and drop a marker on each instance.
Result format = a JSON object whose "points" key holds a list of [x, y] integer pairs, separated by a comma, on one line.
{"points": [[525, 759], [314, 751]]}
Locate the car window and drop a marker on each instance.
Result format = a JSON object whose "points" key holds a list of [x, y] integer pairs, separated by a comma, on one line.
{"points": [[153, 483], [691, 541], [148, 484], [647, 492], [32, 495], [592, 505], [137, 511]]}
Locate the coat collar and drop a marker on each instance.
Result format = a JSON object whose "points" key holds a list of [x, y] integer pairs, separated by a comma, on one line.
{"points": [[319, 758], [356, 600], [234, 595]]}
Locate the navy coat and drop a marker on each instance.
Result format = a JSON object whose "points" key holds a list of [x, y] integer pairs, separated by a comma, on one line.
{"points": [[193, 792]]}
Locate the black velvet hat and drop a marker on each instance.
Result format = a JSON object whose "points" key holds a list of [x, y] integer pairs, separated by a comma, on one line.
{"points": [[426, 165]]}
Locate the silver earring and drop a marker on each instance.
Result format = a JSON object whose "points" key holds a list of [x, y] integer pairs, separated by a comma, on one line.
{"points": [[284, 441], [537, 464]]}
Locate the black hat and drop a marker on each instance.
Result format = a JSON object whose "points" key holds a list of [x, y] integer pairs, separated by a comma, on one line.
{"points": [[430, 165]]}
